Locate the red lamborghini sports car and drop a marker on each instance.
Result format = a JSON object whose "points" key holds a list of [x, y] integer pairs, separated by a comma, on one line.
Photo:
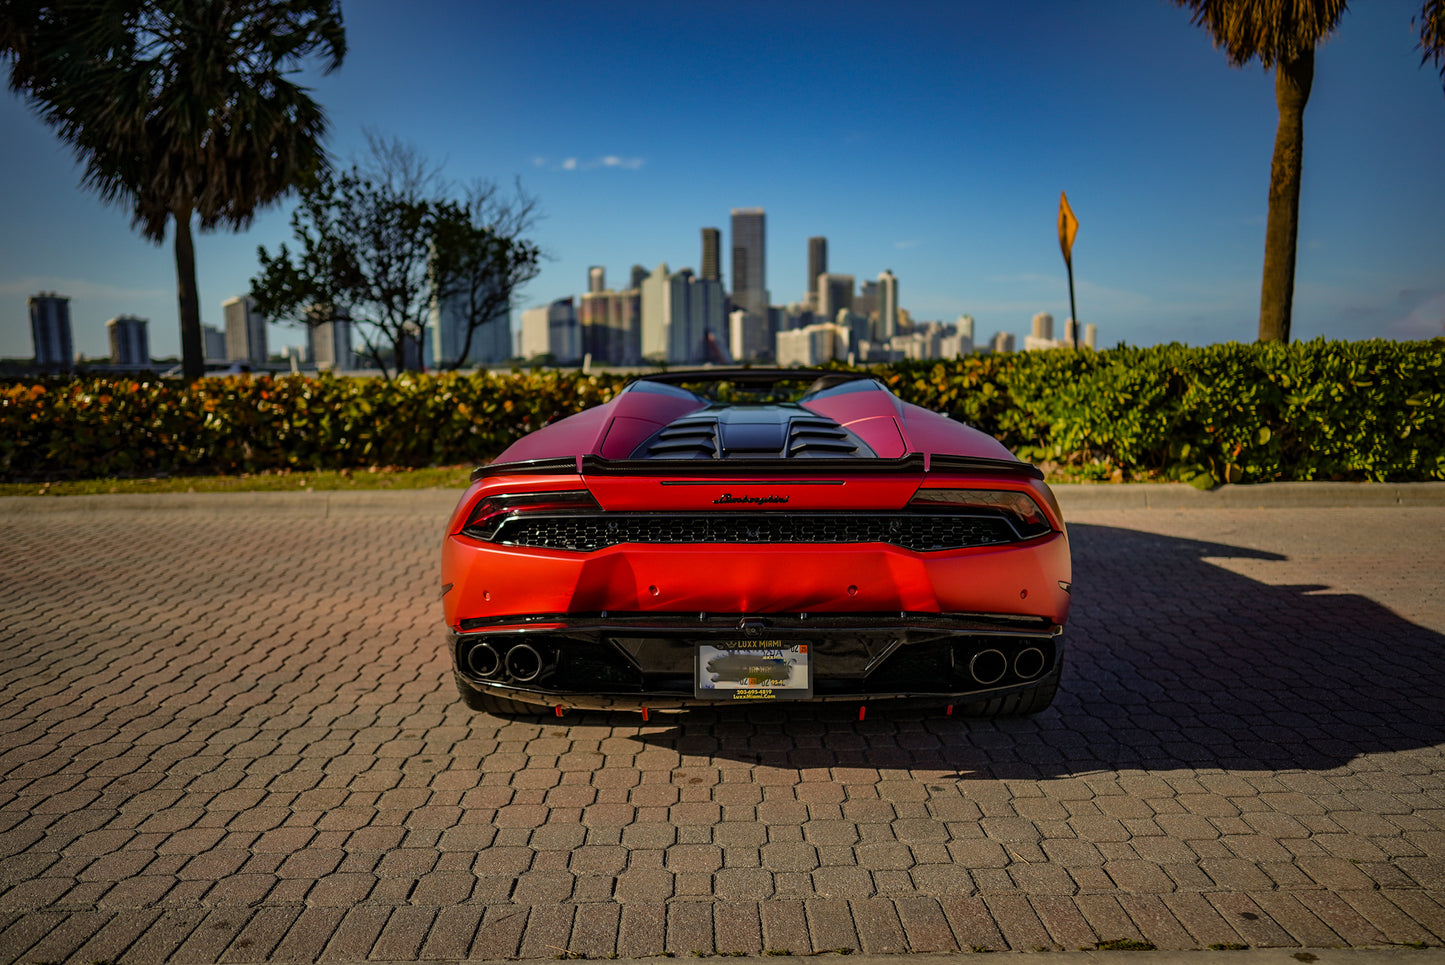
{"points": [[756, 535]]}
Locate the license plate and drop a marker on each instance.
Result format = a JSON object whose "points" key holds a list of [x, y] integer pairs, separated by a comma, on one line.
{"points": [[754, 670]]}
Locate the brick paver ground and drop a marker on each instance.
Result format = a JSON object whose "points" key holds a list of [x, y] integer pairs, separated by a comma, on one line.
{"points": [[232, 737]]}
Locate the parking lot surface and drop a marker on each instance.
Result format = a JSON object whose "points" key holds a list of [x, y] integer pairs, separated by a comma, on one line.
{"points": [[228, 733]]}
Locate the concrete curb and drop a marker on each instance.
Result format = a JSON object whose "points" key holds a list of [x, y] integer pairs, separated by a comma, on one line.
{"points": [[1391, 955], [1283, 495], [439, 502], [405, 502]]}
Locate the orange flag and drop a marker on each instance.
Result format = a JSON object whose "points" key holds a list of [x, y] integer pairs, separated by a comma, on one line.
{"points": [[1068, 227]]}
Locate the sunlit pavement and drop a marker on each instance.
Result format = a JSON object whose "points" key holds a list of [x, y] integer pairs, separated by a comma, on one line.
{"points": [[228, 733]]}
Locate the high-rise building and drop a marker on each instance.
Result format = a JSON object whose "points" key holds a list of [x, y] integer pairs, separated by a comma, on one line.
{"points": [[331, 345], [129, 344], [812, 345], [446, 337], [965, 327], [817, 265], [1091, 334], [636, 278], [748, 337], [596, 279], [1002, 342], [50, 329], [679, 311], [866, 301], [835, 293], [1071, 331], [245, 330], [213, 343], [750, 267], [610, 326], [552, 330], [711, 255], [1043, 325], [888, 317]]}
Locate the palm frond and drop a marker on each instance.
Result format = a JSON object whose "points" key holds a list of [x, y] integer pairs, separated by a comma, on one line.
{"points": [[1269, 31]]}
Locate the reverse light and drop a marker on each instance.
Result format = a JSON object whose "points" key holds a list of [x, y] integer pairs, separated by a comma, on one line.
{"points": [[490, 513], [1018, 508]]}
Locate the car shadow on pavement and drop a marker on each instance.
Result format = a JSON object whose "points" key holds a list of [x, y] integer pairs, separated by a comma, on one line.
{"points": [[1172, 661]]}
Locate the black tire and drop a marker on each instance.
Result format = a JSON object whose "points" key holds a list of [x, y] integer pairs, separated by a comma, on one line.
{"points": [[497, 706], [1018, 704]]}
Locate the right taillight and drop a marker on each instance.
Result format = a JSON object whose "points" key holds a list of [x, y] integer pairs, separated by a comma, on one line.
{"points": [[1018, 508]]}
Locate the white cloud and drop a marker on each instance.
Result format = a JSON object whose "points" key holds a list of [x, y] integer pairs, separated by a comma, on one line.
{"points": [[626, 163], [903, 245], [614, 161]]}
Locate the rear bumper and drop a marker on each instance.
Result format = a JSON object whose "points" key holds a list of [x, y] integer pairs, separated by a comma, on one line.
{"points": [[629, 661]]}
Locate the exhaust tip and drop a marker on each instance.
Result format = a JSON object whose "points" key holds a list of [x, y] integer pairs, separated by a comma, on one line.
{"points": [[484, 661], [1029, 663], [988, 666], [524, 663]]}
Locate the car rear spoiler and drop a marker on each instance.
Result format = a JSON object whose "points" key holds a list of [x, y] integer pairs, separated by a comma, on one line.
{"points": [[914, 463]]}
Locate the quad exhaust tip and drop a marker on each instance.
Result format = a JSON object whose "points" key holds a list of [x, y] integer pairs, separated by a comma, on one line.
{"points": [[1029, 663], [484, 660], [988, 666]]}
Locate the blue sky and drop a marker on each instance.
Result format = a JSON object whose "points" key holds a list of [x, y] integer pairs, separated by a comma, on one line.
{"points": [[929, 138]]}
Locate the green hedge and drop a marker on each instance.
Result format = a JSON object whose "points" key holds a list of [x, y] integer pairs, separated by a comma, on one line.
{"points": [[1237, 413]]}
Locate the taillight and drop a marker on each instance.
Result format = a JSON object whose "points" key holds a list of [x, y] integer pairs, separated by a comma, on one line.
{"points": [[490, 513], [1018, 508]]}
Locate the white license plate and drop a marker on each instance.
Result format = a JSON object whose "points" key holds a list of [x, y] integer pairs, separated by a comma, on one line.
{"points": [[754, 670]]}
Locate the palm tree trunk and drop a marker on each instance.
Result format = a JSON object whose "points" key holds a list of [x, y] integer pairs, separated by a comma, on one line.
{"points": [[193, 350], [1292, 81]]}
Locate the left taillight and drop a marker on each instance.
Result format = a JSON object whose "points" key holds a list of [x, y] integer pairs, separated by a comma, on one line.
{"points": [[492, 512]]}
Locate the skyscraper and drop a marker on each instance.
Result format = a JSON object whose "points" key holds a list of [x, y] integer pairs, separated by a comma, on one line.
{"points": [[750, 256], [129, 344], [711, 255], [887, 305], [446, 339], [552, 330], [50, 329], [596, 279], [817, 265], [679, 311], [835, 292], [245, 330]]}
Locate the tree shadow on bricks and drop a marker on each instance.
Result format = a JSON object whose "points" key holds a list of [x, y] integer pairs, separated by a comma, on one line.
{"points": [[1172, 661]]}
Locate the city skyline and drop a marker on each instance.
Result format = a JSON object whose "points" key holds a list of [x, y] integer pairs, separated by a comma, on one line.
{"points": [[934, 145]]}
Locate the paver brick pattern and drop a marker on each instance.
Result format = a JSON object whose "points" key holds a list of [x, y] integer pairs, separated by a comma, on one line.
{"points": [[231, 736]]}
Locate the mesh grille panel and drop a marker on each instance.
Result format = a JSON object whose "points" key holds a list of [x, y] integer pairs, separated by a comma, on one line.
{"points": [[915, 532]]}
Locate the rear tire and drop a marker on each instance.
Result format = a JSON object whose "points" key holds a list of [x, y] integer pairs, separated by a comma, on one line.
{"points": [[497, 706], [1019, 704]]}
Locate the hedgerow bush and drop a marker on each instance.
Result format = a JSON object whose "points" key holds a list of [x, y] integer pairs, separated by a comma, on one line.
{"points": [[1222, 413]]}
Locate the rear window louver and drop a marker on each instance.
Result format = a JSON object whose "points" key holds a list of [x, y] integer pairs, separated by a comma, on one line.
{"points": [[818, 437], [686, 439]]}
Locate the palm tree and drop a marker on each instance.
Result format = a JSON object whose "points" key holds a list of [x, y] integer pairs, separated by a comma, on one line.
{"points": [[1432, 33], [1283, 34], [180, 110]]}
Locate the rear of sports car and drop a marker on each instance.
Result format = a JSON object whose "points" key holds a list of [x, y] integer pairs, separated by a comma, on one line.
{"points": [[670, 550]]}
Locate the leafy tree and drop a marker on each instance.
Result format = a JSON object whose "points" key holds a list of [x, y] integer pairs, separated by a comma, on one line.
{"points": [[382, 243], [482, 258], [1283, 34], [180, 110]]}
